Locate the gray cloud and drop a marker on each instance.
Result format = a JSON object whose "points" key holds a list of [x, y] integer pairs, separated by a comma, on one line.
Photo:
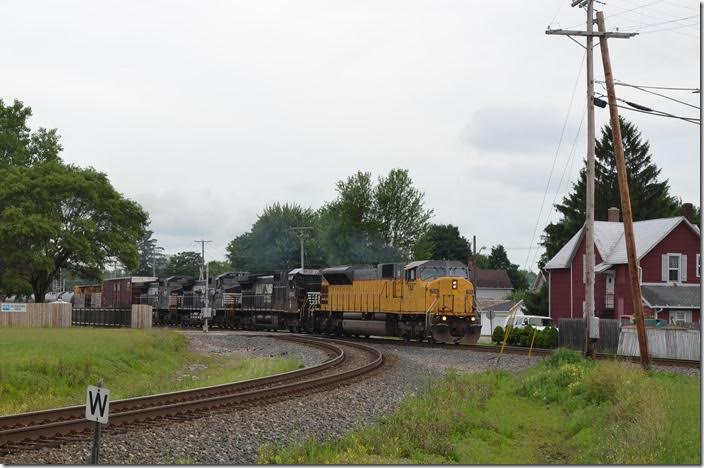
{"points": [[515, 129]]}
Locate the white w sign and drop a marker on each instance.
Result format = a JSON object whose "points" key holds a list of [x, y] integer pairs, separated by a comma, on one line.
{"points": [[97, 404]]}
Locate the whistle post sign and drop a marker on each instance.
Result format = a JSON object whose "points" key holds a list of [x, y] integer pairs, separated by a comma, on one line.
{"points": [[97, 404]]}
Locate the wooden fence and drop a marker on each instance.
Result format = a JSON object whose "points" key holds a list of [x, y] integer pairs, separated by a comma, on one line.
{"points": [[571, 335], [54, 314], [141, 316], [669, 342]]}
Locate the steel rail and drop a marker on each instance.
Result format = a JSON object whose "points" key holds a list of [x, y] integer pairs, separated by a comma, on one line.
{"points": [[536, 351], [42, 432], [117, 406]]}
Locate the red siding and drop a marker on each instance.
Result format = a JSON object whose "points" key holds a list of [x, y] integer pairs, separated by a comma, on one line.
{"points": [[681, 240], [559, 294]]}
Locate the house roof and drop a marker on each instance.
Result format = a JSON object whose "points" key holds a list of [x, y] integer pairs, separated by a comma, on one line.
{"points": [[503, 306], [610, 242], [496, 279], [671, 296]]}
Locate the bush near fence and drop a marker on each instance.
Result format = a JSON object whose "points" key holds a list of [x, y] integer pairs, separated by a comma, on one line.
{"points": [[54, 314]]}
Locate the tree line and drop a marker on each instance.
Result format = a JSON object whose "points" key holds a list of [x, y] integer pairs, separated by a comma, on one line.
{"points": [[58, 217]]}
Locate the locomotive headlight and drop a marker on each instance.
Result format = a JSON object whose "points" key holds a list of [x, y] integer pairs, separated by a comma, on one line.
{"points": [[454, 284], [444, 318], [474, 319]]}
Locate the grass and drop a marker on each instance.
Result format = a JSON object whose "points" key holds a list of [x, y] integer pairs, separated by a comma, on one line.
{"points": [[564, 411], [44, 368]]}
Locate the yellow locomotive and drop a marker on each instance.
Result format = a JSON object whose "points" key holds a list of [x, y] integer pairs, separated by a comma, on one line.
{"points": [[429, 299]]}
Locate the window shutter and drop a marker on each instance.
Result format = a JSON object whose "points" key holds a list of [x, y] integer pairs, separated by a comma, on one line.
{"points": [[683, 268], [664, 268], [698, 266], [584, 268]]}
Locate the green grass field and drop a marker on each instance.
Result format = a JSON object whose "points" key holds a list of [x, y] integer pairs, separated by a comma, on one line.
{"points": [[44, 368], [564, 411]]}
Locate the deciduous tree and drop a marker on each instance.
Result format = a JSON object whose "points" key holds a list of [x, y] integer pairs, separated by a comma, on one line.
{"points": [[55, 216], [186, 263], [271, 244], [19, 146]]}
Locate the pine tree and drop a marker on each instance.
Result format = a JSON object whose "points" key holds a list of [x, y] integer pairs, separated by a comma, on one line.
{"points": [[650, 198]]}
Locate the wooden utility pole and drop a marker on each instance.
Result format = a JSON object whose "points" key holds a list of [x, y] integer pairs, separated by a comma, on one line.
{"points": [[625, 197], [589, 347], [301, 233], [588, 311]]}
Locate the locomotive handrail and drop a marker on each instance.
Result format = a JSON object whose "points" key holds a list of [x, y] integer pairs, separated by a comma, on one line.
{"points": [[427, 314]]}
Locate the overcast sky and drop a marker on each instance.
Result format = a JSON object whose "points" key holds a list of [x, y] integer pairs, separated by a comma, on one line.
{"points": [[207, 111]]}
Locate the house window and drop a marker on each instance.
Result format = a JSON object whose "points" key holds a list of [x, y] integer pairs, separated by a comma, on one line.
{"points": [[673, 268], [680, 316]]}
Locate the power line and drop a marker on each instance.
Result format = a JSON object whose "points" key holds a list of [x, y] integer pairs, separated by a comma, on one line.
{"points": [[665, 22], [620, 83], [634, 9], [681, 6], [569, 160], [647, 110], [641, 88], [670, 29], [557, 151]]}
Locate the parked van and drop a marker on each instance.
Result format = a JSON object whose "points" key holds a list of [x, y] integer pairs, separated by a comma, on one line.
{"points": [[536, 321]]}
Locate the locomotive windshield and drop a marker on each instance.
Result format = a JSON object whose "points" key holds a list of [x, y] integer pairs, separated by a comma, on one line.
{"points": [[429, 272]]}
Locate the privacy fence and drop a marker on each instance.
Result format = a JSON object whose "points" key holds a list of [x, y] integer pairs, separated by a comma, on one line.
{"points": [[670, 342], [571, 335], [666, 342], [61, 314], [55, 314]]}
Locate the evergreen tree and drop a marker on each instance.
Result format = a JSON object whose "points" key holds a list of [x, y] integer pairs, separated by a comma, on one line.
{"points": [[151, 258], [650, 197]]}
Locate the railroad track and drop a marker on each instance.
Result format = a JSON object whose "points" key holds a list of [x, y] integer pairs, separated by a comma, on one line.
{"points": [[525, 351], [38, 429]]}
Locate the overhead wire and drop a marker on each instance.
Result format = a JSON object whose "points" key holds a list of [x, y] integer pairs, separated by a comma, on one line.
{"points": [[557, 151], [665, 22], [647, 110], [653, 92], [568, 162]]}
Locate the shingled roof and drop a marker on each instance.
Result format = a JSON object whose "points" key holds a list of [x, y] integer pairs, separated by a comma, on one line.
{"points": [[671, 296], [610, 242], [495, 279]]}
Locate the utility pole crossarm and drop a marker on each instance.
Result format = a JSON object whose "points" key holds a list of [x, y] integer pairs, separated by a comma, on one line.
{"points": [[608, 34], [301, 233]]}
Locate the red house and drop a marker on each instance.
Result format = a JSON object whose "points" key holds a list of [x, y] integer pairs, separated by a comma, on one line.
{"points": [[668, 252]]}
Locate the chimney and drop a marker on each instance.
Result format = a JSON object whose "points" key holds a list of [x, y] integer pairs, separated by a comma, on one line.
{"points": [[688, 212], [614, 214]]}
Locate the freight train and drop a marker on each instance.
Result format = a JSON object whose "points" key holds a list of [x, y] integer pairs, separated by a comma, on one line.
{"points": [[422, 300]]}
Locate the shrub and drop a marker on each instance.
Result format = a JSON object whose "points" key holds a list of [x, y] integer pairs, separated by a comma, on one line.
{"points": [[498, 335], [548, 338]]}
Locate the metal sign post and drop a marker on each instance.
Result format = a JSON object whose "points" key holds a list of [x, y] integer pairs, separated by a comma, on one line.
{"points": [[97, 409]]}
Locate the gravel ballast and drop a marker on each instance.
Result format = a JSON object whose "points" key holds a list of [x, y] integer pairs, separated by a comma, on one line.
{"points": [[235, 437]]}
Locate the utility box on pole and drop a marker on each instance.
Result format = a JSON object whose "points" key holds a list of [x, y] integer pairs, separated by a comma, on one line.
{"points": [[594, 328]]}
